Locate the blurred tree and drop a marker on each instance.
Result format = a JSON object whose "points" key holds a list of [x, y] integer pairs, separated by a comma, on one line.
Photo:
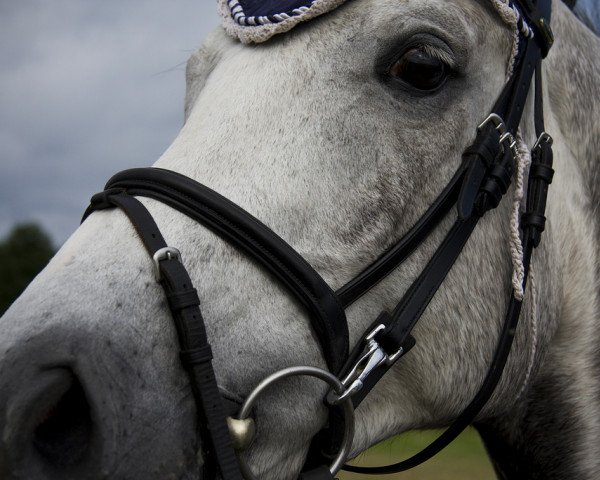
{"points": [[23, 253]]}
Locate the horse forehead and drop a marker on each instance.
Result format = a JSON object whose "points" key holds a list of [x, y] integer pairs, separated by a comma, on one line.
{"points": [[331, 57], [256, 21], [287, 91], [366, 20]]}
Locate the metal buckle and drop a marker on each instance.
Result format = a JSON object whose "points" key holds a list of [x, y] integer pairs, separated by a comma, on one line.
{"points": [[544, 137], [496, 120], [372, 357], [507, 140], [165, 253]]}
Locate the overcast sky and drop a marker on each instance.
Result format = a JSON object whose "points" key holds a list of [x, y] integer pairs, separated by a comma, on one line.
{"points": [[87, 89]]}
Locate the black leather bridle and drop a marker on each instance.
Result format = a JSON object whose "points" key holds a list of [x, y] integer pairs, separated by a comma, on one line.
{"points": [[478, 186]]}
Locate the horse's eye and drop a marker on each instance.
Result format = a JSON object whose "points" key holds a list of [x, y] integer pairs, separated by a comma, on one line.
{"points": [[420, 70]]}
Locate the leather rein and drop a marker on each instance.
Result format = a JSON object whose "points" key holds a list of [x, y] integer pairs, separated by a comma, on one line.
{"points": [[478, 186]]}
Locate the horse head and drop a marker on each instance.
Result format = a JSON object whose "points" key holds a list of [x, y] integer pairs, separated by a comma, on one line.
{"points": [[338, 136]]}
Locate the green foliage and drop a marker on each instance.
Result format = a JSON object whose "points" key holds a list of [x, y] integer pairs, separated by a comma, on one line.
{"points": [[463, 459], [23, 254]]}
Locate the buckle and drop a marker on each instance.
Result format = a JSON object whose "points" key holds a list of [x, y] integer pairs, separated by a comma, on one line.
{"points": [[508, 141], [165, 253], [101, 200], [496, 120], [372, 357], [544, 137]]}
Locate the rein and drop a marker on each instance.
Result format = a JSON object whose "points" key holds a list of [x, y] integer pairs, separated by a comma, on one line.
{"points": [[478, 186]]}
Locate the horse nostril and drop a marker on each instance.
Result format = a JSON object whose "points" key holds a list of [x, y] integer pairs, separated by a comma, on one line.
{"points": [[64, 434]]}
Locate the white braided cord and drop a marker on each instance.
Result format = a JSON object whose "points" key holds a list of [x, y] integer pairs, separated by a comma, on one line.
{"points": [[533, 333], [523, 160]]}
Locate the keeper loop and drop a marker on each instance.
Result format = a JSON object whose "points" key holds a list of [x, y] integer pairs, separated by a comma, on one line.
{"points": [[502, 177], [486, 146], [535, 220], [101, 200], [541, 171]]}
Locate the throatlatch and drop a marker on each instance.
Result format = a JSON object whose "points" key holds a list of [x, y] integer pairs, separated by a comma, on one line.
{"points": [[479, 184]]}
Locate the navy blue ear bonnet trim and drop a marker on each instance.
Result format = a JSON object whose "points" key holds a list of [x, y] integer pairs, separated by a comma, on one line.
{"points": [[260, 12], [255, 21]]}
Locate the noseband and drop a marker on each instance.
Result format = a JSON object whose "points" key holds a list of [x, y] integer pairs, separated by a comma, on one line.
{"points": [[478, 186]]}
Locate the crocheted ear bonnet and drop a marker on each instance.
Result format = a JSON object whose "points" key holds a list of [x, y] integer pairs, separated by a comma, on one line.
{"points": [[256, 21]]}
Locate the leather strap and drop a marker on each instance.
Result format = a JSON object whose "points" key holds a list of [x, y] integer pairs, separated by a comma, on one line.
{"points": [[196, 355], [478, 158], [415, 300], [242, 230], [384, 265], [540, 173], [470, 412], [523, 81]]}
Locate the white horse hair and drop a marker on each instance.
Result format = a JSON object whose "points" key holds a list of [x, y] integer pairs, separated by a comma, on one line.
{"points": [[304, 134]]}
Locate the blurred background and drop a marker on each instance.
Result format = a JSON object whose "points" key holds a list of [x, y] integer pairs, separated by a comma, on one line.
{"points": [[88, 89]]}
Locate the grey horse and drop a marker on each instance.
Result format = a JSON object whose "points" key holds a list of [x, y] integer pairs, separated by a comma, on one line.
{"points": [[305, 133]]}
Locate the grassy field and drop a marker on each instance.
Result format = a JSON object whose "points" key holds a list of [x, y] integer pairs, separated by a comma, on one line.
{"points": [[464, 459]]}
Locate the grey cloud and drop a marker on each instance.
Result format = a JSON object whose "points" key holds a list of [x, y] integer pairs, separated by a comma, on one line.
{"points": [[87, 89]]}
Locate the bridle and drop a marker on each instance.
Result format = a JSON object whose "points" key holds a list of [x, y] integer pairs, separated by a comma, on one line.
{"points": [[478, 186]]}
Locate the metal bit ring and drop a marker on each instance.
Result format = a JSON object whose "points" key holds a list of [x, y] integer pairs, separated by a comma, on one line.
{"points": [[321, 374]]}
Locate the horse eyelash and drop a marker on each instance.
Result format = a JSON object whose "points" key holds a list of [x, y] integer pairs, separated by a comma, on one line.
{"points": [[440, 54]]}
